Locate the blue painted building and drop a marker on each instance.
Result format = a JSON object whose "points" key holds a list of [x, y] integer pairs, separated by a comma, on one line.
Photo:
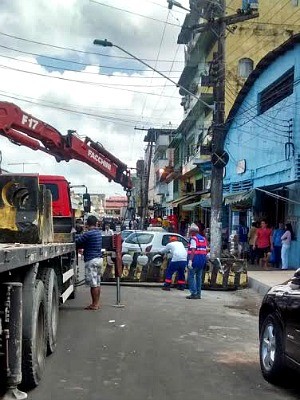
{"points": [[263, 141]]}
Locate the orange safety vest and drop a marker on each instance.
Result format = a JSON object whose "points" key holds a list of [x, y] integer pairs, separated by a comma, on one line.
{"points": [[201, 245]]}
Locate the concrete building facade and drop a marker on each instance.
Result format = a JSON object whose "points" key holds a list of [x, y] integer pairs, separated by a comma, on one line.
{"points": [[263, 142], [246, 44]]}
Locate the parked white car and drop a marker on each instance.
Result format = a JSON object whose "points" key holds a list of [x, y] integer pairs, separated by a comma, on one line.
{"points": [[149, 241]]}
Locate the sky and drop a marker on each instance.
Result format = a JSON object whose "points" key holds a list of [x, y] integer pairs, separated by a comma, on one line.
{"points": [[50, 68]]}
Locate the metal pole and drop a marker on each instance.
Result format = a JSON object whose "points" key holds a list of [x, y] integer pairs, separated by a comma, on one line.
{"points": [[118, 268], [146, 193], [13, 334], [118, 291]]}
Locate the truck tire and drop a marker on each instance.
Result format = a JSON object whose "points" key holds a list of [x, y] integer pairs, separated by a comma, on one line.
{"points": [[49, 279], [34, 337]]}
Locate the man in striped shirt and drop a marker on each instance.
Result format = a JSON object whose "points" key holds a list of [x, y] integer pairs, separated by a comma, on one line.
{"points": [[91, 243]]}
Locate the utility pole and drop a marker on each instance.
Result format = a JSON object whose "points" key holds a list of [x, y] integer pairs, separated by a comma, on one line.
{"points": [[147, 180], [218, 141], [150, 138], [219, 157]]}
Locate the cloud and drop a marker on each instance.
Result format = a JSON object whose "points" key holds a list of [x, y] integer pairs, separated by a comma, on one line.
{"points": [[122, 101]]}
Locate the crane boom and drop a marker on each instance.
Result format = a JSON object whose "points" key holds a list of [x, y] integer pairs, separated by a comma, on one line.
{"points": [[23, 129]]}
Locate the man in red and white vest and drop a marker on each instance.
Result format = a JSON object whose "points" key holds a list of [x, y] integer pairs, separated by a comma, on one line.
{"points": [[197, 250]]}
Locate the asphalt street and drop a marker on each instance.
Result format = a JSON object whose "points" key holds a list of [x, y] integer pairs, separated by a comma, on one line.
{"points": [[160, 346]]}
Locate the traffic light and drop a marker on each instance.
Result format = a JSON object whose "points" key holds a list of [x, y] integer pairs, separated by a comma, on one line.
{"points": [[86, 202]]}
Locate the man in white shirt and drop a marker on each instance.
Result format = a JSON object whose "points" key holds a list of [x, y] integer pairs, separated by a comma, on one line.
{"points": [[108, 231], [178, 263]]}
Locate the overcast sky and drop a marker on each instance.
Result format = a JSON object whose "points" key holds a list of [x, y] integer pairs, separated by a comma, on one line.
{"points": [[46, 47]]}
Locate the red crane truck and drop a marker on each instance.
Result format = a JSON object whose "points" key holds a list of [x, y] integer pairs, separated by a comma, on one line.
{"points": [[37, 251]]}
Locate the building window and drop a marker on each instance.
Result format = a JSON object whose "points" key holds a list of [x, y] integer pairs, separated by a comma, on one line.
{"points": [[176, 186], [245, 67], [199, 185], [277, 91], [295, 3]]}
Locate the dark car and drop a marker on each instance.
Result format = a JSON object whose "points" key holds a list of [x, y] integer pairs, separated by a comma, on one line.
{"points": [[279, 330]]}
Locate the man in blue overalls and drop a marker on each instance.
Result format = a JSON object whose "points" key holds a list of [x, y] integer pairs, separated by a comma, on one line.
{"points": [[197, 251], [177, 264]]}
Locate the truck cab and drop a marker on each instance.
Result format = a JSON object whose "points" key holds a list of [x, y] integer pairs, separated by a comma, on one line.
{"points": [[63, 218]]}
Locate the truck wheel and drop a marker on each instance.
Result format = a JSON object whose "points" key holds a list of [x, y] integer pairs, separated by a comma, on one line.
{"points": [[34, 337], [49, 278]]}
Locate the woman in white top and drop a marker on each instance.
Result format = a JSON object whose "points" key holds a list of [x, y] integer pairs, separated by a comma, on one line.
{"points": [[286, 239]]}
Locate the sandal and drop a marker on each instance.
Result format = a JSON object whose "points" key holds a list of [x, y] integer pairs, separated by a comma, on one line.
{"points": [[91, 307]]}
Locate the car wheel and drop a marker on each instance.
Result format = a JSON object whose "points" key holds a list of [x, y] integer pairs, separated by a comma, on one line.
{"points": [[271, 350]]}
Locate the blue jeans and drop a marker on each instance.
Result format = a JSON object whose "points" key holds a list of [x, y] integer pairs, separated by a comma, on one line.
{"points": [[285, 256], [277, 258], [195, 280]]}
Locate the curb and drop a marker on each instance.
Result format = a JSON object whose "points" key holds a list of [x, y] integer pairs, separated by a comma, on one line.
{"points": [[258, 286]]}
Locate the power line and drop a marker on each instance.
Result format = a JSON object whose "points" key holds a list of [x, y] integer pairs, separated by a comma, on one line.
{"points": [[133, 13], [77, 63], [240, 44], [85, 73], [165, 86], [296, 82], [77, 50], [120, 121], [267, 119], [155, 65], [109, 86], [272, 7], [251, 137]]}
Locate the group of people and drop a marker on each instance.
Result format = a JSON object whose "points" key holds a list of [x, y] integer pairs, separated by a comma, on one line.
{"points": [[194, 259], [267, 245]]}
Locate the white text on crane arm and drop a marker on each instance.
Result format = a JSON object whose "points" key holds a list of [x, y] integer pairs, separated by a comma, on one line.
{"points": [[29, 121], [99, 160]]}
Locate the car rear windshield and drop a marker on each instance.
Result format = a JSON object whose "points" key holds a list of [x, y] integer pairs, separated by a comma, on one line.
{"points": [[139, 238], [125, 234]]}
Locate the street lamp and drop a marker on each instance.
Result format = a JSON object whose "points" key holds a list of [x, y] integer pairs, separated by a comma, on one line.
{"points": [[106, 43], [172, 3]]}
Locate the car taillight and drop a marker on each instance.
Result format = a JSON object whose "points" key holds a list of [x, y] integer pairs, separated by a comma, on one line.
{"points": [[148, 249]]}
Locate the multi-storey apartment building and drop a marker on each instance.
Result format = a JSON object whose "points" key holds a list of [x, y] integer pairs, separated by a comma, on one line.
{"points": [[246, 44]]}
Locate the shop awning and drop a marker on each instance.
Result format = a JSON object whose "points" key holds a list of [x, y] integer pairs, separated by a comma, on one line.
{"points": [[239, 197], [205, 203], [182, 200], [190, 206]]}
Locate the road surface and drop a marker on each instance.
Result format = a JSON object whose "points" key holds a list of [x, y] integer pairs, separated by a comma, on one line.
{"points": [[159, 347]]}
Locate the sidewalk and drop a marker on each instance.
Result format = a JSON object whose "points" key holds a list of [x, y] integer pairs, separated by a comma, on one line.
{"points": [[261, 281]]}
